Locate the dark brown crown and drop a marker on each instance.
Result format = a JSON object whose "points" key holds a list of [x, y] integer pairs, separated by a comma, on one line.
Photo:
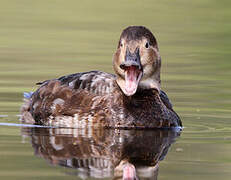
{"points": [[137, 33]]}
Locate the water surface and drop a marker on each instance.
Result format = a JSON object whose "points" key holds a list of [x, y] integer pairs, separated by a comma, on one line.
{"points": [[46, 39]]}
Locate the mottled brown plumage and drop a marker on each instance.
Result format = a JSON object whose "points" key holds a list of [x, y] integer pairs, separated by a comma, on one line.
{"points": [[130, 99]]}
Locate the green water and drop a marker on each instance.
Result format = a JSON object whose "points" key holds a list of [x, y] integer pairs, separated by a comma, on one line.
{"points": [[46, 39]]}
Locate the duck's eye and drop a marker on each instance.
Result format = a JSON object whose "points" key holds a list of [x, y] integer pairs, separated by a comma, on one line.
{"points": [[147, 45], [121, 44]]}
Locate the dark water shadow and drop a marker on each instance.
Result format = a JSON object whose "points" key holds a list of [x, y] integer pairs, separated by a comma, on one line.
{"points": [[103, 153]]}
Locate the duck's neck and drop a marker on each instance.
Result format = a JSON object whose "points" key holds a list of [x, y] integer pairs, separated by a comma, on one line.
{"points": [[143, 98]]}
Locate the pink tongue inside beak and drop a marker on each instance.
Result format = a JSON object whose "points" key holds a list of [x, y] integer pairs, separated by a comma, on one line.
{"points": [[132, 77]]}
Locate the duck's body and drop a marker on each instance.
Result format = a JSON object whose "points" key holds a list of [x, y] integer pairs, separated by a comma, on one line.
{"points": [[98, 98]]}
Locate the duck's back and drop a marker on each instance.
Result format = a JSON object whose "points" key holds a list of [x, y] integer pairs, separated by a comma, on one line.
{"points": [[94, 82]]}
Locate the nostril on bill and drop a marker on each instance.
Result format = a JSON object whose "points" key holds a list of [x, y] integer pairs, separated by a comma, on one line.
{"points": [[122, 66]]}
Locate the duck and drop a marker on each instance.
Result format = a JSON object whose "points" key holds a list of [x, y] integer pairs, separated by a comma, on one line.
{"points": [[130, 98]]}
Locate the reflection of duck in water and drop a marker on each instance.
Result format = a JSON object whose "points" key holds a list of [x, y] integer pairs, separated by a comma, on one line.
{"points": [[131, 98], [102, 153]]}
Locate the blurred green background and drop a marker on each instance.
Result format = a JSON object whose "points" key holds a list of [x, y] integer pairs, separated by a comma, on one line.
{"points": [[42, 39]]}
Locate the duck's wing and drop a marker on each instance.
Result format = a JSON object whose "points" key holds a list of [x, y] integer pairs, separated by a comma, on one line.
{"points": [[95, 82], [165, 100], [71, 94]]}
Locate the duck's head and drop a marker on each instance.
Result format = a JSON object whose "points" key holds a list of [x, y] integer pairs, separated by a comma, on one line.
{"points": [[137, 61]]}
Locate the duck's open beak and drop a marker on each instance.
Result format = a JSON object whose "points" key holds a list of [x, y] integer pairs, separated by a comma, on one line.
{"points": [[133, 71]]}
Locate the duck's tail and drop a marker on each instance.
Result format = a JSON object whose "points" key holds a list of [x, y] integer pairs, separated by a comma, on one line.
{"points": [[25, 108], [27, 95]]}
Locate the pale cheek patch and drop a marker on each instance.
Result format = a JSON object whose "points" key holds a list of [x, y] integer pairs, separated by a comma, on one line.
{"points": [[118, 59], [157, 53], [147, 71], [148, 56]]}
